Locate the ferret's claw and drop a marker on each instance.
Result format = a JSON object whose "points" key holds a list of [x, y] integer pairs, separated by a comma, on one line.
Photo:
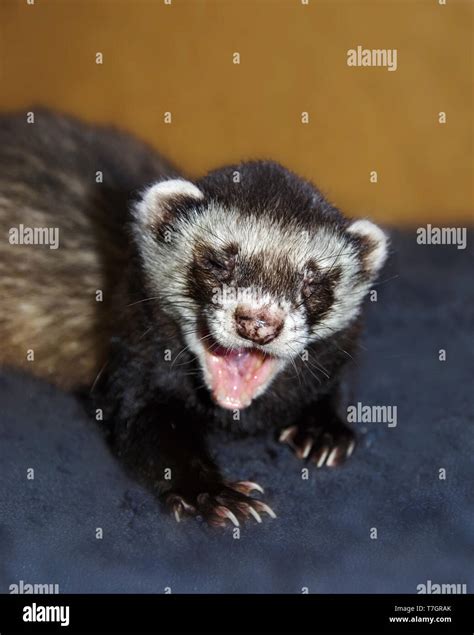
{"points": [[219, 502], [226, 513], [287, 434], [328, 444], [322, 457], [178, 506], [306, 448], [255, 514], [263, 507], [350, 449], [247, 487], [330, 461]]}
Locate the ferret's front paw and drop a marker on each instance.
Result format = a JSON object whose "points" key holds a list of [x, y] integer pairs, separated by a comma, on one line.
{"points": [[219, 502], [330, 445]]}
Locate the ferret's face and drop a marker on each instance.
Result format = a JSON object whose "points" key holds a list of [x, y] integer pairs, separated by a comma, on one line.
{"points": [[251, 291]]}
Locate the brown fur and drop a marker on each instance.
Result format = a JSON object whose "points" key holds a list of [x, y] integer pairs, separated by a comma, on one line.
{"points": [[48, 179]]}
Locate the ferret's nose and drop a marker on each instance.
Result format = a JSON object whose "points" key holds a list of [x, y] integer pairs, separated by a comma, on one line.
{"points": [[260, 327]]}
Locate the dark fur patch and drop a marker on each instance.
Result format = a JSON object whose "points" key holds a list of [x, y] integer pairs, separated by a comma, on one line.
{"points": [[174, 209], [266, 188], [318, 291], [364, 246], [210, 268], [269, 272]]}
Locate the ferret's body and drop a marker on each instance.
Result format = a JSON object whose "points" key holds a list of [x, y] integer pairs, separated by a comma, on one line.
{"points": [[231, 301], [50, 177]]}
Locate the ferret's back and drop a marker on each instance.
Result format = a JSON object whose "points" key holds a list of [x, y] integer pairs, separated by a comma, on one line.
{"points": [[65, 185]]}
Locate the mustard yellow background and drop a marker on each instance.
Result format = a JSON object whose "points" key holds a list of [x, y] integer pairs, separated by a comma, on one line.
{"points": [[179, 58]]}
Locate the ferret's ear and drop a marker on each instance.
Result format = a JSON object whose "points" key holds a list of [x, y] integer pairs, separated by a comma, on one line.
{"points": [[160, 201], [373, 243]]}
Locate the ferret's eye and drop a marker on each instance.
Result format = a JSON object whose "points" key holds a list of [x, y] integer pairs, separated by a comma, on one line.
{"points": [[308, 288], [213, 263], [311, 278], [220, 265]]}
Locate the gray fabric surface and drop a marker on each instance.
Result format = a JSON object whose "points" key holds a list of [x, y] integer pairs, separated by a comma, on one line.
{"points": [[320, 539]]}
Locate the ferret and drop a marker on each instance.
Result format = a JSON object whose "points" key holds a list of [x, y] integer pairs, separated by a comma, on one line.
{"points": [[231, 301]]}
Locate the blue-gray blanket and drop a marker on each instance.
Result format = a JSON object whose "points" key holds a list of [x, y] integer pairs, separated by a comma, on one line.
{"points": [[413, 483]]}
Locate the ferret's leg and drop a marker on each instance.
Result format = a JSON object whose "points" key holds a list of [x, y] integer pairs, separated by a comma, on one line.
{"points": [[321, 436], [164, 446]]}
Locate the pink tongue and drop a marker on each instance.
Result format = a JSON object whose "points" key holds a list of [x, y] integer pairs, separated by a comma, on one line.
{"points": [[236, 375]]}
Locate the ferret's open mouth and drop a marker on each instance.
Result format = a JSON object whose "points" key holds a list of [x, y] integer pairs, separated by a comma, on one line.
{"points": [[236, 376]]}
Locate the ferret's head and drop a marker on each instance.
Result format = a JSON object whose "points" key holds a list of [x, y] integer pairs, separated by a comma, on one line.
{"points": [[255, 265]]}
